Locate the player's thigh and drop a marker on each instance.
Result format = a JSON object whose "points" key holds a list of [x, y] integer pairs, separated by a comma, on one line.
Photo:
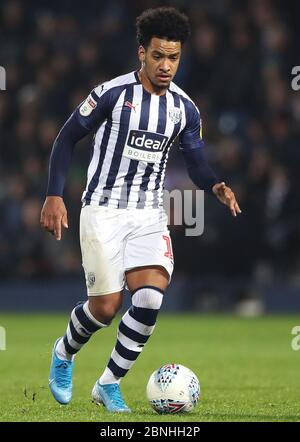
{"points": [[148, 257], [101, 241]]}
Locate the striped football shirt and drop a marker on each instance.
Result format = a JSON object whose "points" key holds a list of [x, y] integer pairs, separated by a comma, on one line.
{"points": [[134, 131]]}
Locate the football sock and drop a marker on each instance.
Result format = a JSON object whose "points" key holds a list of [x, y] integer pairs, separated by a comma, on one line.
{"points": [[134, 330], [81, 327]]}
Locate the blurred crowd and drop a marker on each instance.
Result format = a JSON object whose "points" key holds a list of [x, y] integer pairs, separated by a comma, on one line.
{"points": [[236, 67]]}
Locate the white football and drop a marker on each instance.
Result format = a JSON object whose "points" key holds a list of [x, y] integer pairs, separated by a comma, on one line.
{"points": [[173, 388]]}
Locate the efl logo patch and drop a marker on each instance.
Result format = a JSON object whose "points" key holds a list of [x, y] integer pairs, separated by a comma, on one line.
{"points": [[88, 106], [175, 115], [145, 146]]}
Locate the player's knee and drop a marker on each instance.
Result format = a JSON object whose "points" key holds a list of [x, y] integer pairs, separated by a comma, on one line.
{"points": [[105, 314], [104, 311]]}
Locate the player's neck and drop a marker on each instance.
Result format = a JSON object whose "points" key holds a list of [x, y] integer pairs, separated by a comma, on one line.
{"points": [[148, 86]]}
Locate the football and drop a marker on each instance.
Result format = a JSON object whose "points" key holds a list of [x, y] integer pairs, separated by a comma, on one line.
{"points": [[173, 388]]}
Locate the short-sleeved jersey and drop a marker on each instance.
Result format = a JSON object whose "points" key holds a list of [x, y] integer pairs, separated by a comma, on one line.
{"points": [[134, 131]]}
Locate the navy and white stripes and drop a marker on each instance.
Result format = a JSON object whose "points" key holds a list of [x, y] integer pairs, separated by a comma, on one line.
{"points": [[80, 328], [135, 329], [120, 174]]}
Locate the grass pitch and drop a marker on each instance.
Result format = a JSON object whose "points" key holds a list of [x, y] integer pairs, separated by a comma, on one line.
{"points": [[247, 369]]}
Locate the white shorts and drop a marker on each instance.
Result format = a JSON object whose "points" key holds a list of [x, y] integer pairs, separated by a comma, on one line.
{"points": [[116, 240]]}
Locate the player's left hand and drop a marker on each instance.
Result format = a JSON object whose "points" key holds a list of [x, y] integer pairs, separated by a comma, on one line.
{"points": [[227, 197]]}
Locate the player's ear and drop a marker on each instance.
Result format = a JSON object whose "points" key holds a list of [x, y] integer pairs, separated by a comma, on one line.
{"points": [[142, 53]]}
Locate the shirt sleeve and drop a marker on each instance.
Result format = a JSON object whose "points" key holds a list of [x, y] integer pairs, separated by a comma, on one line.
{"points": [[192, 147], [95, 108], [191, 136], [86, 118]]}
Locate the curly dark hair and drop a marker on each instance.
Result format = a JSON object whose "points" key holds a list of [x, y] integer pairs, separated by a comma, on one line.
{"points": [[163, 22]]}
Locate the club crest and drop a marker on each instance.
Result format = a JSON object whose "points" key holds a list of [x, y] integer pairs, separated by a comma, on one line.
{"points": [[91, 279], [175, 114]]}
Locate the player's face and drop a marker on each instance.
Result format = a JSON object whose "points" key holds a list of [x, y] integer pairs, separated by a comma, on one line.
{"points": [[160, 61]]}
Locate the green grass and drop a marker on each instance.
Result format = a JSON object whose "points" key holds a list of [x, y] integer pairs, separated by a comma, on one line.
{"points": [[247, 369]]}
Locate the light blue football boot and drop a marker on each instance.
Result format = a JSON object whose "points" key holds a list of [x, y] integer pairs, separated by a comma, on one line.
{"points": [[60, 378], [110, 396]]}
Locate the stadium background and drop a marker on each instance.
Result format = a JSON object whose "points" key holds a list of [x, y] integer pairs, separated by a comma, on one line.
{"points": [[237, 67]]}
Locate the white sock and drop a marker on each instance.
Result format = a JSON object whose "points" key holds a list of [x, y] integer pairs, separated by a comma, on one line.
{"points": [[61, 353], [109, 378]]}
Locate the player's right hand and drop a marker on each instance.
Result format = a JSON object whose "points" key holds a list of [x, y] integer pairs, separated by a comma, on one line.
{"points": [[54, 215]]}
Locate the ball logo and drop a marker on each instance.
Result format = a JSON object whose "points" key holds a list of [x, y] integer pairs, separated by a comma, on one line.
{"points": [[145, 146], [165, 375]]}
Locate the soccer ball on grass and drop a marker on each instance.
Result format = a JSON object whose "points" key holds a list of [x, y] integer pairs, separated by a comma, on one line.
{"points": [[173, 388]]}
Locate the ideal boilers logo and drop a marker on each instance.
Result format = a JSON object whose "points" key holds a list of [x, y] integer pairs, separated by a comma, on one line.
{"points": [[145, 146]]}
